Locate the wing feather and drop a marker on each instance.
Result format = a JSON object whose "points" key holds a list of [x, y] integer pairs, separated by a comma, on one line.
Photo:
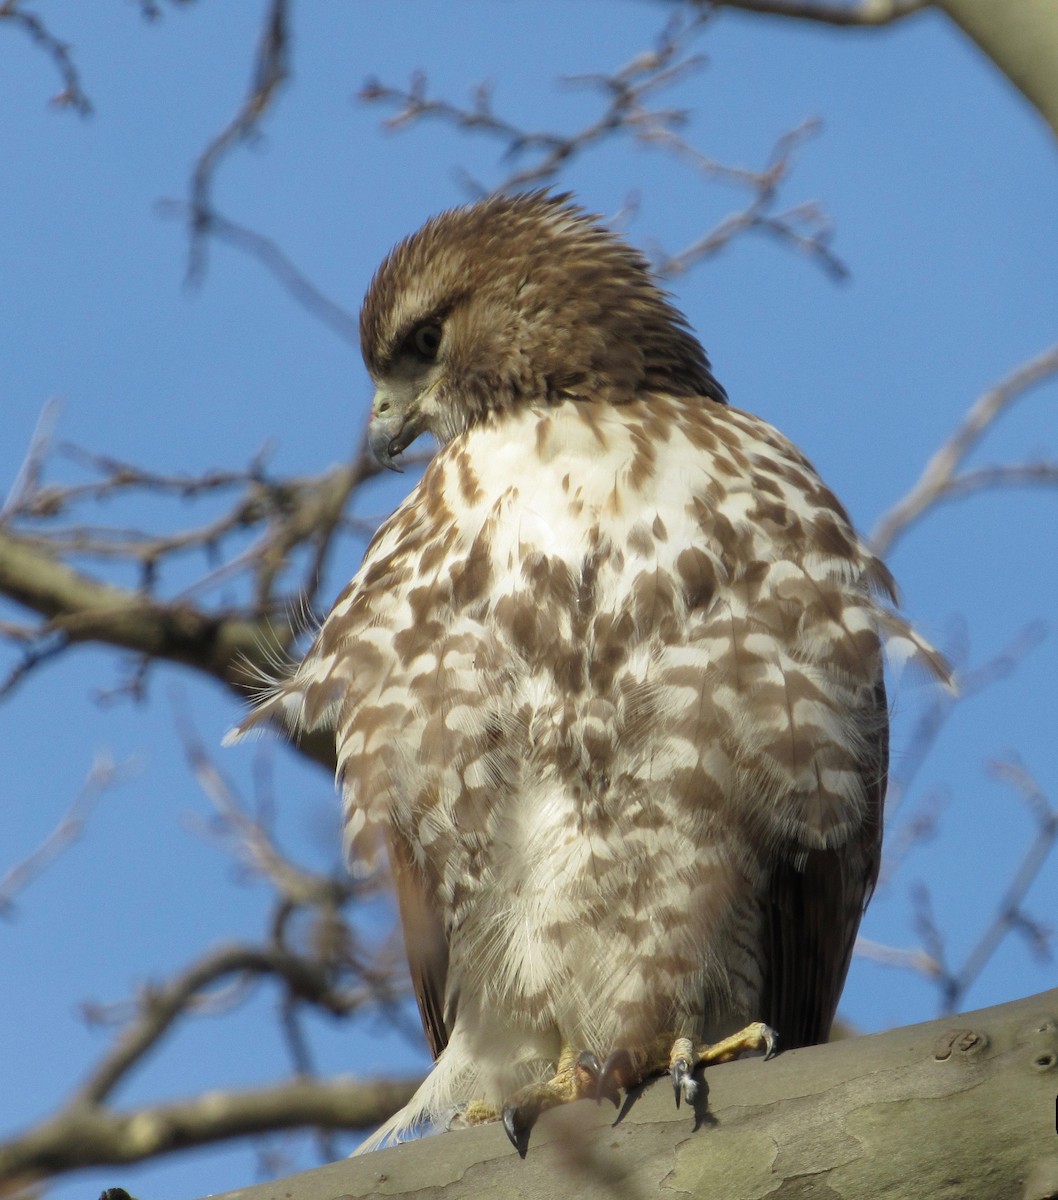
{"points": [[813, 911]]}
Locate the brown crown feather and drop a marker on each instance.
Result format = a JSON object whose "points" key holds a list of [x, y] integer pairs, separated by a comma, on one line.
{"points": [[539, 302]]}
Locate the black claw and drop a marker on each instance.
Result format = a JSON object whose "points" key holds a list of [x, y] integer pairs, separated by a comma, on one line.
{"points": [[588, 1064], [771, 1043], [616, 1073], [518, 1124], [681, 1068]]}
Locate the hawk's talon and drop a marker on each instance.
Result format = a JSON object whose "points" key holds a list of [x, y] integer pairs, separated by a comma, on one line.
{"points": [[683, 1082], [616, 1074], [752, 1039], [577, 1077], [588, 1076], [518, 1122]]}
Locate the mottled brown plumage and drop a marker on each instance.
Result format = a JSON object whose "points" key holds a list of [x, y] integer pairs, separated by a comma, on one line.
{"points": [[608, 684]]}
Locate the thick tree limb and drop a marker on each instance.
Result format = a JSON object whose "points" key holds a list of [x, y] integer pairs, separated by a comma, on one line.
{"points": [[1021, 38], [87, 1135], [83, 609], [959, 1107], [79, 608]]}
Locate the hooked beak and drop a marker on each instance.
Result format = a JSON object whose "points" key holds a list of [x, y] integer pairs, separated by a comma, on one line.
{"points": [[391, 430], [384, 436]]}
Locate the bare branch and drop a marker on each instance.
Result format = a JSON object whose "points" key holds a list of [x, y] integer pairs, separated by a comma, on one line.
{"points": [[330, 941], [1010, 916], [942, 703], [941, 480], [932, 937], [72, 94], [626, 93], [160, 1007], [298, 519], [805, 227], [1021, 38], [890, 956], [27, 481], [86, 1135], [84, 609], [333, 975], [270, 73], [251, 844], [900, 1114], [268, 253], [103, 776], [859, 12]]}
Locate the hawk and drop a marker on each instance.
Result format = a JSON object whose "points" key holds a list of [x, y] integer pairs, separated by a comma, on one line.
{"points": [[608, 686]]}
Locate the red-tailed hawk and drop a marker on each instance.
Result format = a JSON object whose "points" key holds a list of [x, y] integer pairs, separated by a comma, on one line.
{"points": [[607, 686]]}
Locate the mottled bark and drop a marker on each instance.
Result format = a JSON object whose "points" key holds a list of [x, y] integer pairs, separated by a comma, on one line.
{"points": [[962, 1107]]}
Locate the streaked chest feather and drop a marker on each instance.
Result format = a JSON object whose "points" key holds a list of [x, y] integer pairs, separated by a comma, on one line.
{"points": [[591, 622]]}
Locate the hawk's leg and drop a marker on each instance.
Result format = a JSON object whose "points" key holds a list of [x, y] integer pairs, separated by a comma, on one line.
{"points": [[679, 1058], [578, 1076], [684, 1059]]}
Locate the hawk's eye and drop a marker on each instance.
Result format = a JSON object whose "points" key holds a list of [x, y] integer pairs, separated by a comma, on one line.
{"points": [[425, 340]]}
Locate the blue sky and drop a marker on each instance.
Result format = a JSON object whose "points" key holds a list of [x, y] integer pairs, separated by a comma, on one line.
{"points": [[941, 183]]}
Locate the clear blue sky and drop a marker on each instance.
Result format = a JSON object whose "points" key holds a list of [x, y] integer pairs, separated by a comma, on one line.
{"points": [[942, 185]]}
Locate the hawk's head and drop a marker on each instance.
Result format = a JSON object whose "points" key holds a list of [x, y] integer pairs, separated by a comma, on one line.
{"points": [[516, 300]]}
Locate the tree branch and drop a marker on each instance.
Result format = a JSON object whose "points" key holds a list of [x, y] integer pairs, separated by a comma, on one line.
{"points": [[860, 12], [86, 1132], [161, 1007], [103, 775], [270, 72], [961, 1106], [1021, 38], [87, 1135], [941, 480], [83, 609], [72, 94]]}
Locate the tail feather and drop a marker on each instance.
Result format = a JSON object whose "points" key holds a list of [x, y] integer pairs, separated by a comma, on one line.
{"points": [[905, 645]]}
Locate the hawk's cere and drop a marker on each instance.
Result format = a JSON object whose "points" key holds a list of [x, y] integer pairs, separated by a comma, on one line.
{"points": [[607, 686]]}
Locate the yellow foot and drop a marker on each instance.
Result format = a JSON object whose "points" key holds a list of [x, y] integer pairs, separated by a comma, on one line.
{"points": [[575, 1078], [477, 1112], [683, 1058]]}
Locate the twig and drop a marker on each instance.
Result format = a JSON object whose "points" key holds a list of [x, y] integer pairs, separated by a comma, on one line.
{"points": [[103, 776], [27, 481], [269, 74], [860, 12], [1010, 916], [942, 703], [805, 227], [249, 840], [624, 91], [268, 253], [72, 94], [940, 480], [891, 956], [160, 1007], [626, 110]]}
